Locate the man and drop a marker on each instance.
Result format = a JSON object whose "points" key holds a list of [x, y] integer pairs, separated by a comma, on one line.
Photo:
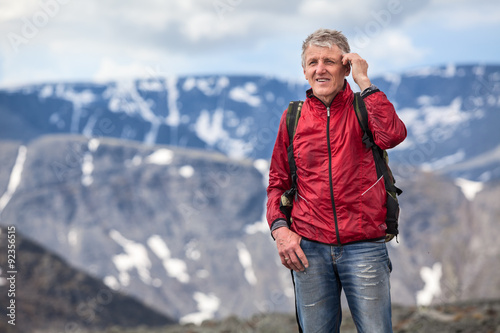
{"points": [[337, 238]]}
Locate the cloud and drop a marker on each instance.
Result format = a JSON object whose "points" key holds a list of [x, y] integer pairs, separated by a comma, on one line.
{"points": [[68, 38], [394, 47], [462, 14], [185, 26], [10, 10]]}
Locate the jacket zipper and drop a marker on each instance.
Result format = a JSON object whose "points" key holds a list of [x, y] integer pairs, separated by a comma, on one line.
{"points": [[330, 174]]}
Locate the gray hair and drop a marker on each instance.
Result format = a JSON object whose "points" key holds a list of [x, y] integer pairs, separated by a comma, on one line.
{"points": [[325, 38]]}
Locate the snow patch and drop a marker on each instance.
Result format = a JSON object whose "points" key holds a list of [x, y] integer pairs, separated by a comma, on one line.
{"points": [[436, 123], [111, 282], [246, 262], [73, 237], [56, 119], [88, 162], [174, 115], [192, 251], [209, 86], [210, 128], [450, 71], [431, 277], [135, 161], [79, 99], [3, 281], [135, 256], [245, 94], [263, 167], [261, 226], [93, 145], [208, 304], [186, 171], [469, 187], [87, 169], [124, 97], [15, 177], [160, 157], [175, 268], [151, 85], [46, 92]]}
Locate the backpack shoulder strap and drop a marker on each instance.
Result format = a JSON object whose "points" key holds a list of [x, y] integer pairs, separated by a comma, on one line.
{"points": [[380, 156], [362, 114], [292, 118]]}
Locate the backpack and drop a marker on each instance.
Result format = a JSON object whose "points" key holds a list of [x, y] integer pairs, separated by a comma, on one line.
{"points": [[380, 156]]}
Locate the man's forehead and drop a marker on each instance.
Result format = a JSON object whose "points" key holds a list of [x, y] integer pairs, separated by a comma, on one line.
{"points": [[314, 51]]}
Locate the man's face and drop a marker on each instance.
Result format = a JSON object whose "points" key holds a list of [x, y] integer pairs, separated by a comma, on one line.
{"points": [[324, 71]]}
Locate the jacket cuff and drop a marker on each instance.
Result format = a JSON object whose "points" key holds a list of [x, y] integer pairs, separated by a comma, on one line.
{"points": [[370, 90], [278, 223]]}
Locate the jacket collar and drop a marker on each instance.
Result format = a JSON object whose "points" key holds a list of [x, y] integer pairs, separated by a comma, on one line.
{"points": [[344, 96]]}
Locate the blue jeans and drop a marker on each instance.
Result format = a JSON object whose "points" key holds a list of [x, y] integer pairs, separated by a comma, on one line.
{"points": [[361, 269]]}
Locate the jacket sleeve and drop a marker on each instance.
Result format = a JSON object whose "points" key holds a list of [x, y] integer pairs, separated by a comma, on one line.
{"points": [[388, 130], [279, 174]]}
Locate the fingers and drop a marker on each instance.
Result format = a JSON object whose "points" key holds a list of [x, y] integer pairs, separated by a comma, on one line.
{"points": [[293, 262], [286, 261], [298, 262], [358, 64], [302, 258], [359, 69], [351, 57], [291, 254]]}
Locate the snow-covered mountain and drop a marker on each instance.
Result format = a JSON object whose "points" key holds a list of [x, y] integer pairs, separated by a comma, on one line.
{"points": [[451, 113], [234, 115]]}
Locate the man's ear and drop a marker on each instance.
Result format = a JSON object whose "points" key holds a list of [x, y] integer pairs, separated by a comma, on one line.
{"points": [[347, 69]]}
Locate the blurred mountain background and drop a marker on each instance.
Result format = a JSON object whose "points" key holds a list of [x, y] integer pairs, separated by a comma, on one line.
{"points": [[145, 198]]}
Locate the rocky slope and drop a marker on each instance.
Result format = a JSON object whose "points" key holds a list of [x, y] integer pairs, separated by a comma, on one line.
{"points": [[180, 230], [183, 231], [41, 292]]}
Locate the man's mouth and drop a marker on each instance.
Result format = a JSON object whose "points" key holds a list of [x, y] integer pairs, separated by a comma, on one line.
{"points": [[322, 80]]}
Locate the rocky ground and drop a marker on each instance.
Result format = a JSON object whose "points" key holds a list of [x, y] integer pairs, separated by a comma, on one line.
{"points": [[466, 317]]}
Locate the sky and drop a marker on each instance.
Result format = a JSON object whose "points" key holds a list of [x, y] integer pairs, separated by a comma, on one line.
{"points": [[104, 40]]}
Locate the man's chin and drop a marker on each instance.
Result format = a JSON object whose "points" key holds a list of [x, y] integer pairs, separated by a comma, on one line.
{"points": [[325, 93]]}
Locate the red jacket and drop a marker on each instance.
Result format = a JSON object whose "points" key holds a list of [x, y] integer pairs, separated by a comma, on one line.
{"points": [[339, 200]]}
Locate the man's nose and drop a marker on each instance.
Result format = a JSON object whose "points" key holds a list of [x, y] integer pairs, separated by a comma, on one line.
{"points": [[321, 67]]}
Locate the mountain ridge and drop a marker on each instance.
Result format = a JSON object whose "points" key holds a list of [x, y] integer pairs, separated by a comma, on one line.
{"points": [[450, 112]]}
